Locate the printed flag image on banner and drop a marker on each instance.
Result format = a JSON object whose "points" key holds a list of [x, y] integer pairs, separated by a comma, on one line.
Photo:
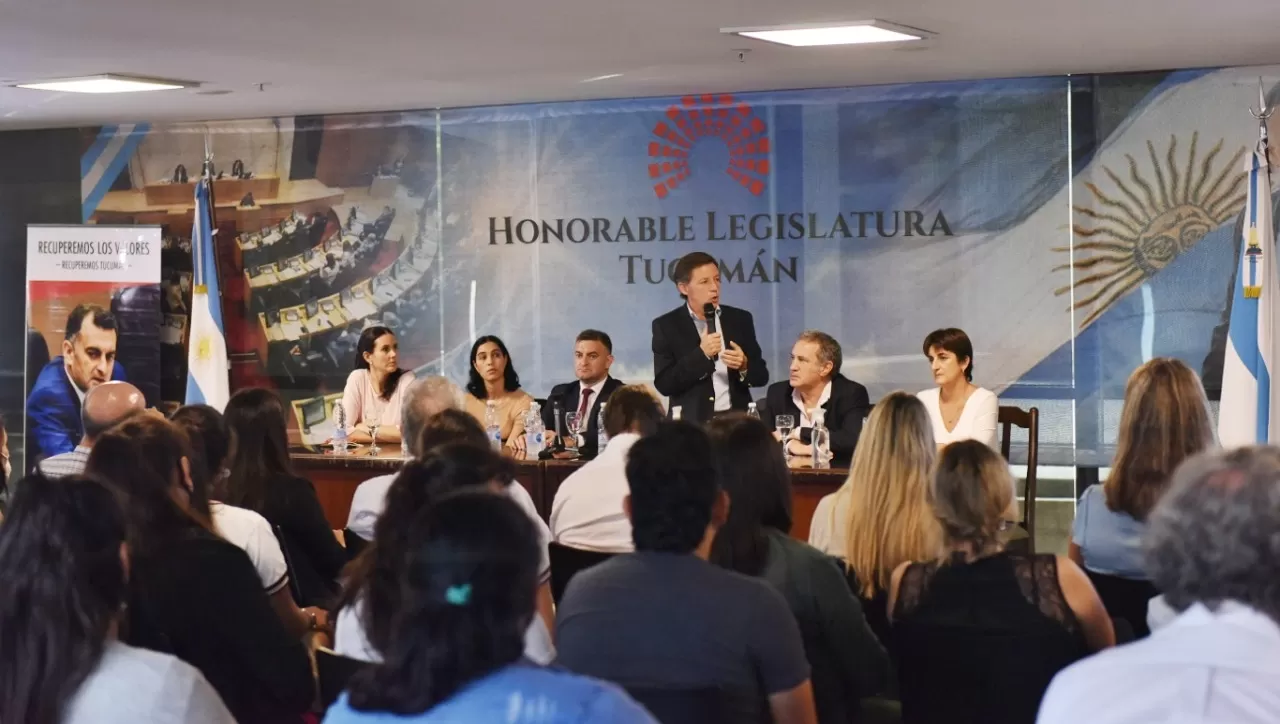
{"points": [[207, 381]]}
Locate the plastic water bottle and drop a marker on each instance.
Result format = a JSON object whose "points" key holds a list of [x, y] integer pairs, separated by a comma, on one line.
{"points": [[340, 429], [820, 441], [534, 432], [492, 428], [752, 411], [602, 437]]}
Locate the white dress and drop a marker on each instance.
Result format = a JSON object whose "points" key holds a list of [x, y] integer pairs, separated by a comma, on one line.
{"points": [[978, 419]]}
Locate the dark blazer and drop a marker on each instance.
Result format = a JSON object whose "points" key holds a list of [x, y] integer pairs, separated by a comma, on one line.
{"points": [[53, 412], [845, 410], [569, 397], [683, 373]]}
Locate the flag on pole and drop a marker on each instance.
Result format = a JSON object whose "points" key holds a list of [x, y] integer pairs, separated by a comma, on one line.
{"points": [[207, 351], [1250, 409]]}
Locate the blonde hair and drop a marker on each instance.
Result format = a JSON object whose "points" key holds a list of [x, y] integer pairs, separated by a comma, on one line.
{"points": [[972, 494], [890, 521], [1165, 420]]}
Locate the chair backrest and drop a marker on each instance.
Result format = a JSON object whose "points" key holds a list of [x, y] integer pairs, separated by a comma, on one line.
{"points": [[1029, 420], [1125, 599], [333, 671], [295, 587], [566, 562], [685, 706]]}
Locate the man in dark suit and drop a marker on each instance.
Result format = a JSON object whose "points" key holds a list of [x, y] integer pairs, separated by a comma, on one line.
{"points": [[592, 358], [701, 372], [815, 382], [88, 359]]}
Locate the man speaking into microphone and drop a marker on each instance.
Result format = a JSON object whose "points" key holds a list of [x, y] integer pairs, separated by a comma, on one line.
{"points": [[705, 355]]}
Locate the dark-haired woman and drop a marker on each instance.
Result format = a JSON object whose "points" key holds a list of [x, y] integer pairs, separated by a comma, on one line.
{"points": [[375, 388], [958, 409], [467, 581], [493, 379], [65, 573], [847, 662], [262, 479], [193, 594]]}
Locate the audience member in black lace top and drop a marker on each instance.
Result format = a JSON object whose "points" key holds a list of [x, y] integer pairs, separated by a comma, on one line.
{"points": [[980, 634]]}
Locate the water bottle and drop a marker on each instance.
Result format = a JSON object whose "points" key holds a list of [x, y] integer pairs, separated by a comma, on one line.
{"points": [[492, 428], [752, 411], [534, 432], [820, 441], [602, 437], [340, 430]]}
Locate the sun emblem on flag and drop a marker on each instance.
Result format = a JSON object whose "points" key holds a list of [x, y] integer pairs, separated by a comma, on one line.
{"points": [[1143, 224], [709, 116], [204, 348]]}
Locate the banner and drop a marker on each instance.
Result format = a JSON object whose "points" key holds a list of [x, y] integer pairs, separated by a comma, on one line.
{"points": [[93, 315]]}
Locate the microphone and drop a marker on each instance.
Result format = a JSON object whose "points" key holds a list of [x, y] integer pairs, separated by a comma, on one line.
{"points": [[709, 311]]}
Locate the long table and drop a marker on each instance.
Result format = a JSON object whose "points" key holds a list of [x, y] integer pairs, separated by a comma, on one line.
{"points": [[336, 477]]}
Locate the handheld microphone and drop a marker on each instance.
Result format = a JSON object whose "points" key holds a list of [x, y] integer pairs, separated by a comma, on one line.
{"points": [[709, 311]]}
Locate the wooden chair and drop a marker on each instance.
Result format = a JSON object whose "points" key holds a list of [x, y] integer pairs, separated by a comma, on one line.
{"points": [[566, 562], [1029, 420], [333, 671]]}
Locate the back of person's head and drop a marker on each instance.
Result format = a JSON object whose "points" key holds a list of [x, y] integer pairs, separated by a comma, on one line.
{"points": [[467, 579], [1215, 535], [1165, 420], [890, 520], [674, 488], [754, 473], [109, 404], [972, 494], [64, 582], [424, 399], [147, 461], [211, 441], [632, 408], [450, 426], [418, 486], [256, 417]]}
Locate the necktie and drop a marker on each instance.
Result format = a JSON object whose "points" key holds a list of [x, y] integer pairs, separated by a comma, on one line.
{"points": [[586, 406]]}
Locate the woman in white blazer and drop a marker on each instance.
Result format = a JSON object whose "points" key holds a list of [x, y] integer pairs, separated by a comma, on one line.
{"points": [[958, 409]]}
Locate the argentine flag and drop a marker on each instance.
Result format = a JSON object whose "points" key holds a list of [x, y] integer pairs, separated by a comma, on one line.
{"points": [[1250, 412], [207, 350]]}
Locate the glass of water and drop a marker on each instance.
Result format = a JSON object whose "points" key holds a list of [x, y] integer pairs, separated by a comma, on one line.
{"points": [[372, 422], [572, 426], [784, 424]]}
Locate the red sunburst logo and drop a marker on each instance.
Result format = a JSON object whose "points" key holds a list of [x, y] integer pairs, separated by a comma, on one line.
{"points": [[697, 117]]}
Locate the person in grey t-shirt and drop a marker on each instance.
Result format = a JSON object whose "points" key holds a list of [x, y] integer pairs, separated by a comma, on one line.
{"points": [[665, 618]]}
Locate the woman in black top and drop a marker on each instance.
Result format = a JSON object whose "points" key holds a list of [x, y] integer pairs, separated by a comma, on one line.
{"points": [[262, 480], [980, 634], [193, 594], [847, 662]]}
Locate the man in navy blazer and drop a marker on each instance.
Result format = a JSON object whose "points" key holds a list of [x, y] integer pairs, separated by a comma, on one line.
{"points": [[88, 359], [592, 358], [703, 372]]}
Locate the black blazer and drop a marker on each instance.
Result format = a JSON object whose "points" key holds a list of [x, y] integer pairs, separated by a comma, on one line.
{"points": [[569, 397], [845, 410], [683, 373]]}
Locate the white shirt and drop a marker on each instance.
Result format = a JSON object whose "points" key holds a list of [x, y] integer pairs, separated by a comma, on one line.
{"points": [[136, 686], [79, 392], [978, 419], [719, 377], [806, 420], [252, 533], [827, 531], [595, 397], [1204, 666], [587, 511]]}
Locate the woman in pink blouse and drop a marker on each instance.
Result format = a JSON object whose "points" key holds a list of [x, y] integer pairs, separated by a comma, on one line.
{"points": [[375, 388]]}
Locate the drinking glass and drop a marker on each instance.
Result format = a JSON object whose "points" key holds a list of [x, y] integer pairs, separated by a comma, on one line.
{"points": [[784, 424], [372, 422], [572, 425]]}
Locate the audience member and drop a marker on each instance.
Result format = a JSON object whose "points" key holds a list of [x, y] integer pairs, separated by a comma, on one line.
{"points": [[815, 385], [592, 358], [193, 594], [6, 469], [587, 512], [880, 517], [375, 388], [65, 569], [848, 663], [665, 617], [465, 584], [981, 632], [958, 409], [262, 479], [493, 379], [104, 407], [1212, 547]]}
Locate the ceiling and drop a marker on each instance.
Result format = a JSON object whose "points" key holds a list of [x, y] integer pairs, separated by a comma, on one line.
{"points": [[326, 56]]}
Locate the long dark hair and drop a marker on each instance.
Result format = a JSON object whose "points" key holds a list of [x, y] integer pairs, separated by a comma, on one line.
{"points": [[754, 473], [210, 445], [256, 417], [372, 577], [475, 383], [368, 341], [141, 459], [64, 584], [468, 582]]}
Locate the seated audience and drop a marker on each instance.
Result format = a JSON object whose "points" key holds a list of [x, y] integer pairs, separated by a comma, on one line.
{"points": [[193, 594], [816, 383], [375, 388], [848, 663], [493, 378], [104, 406], [65, 571], [880, 517], [592, 358], [587, 512], [465, 587], [665, 617], [211, 452], [958, 409], [261, 478], [981, 632], [1211, 546]]}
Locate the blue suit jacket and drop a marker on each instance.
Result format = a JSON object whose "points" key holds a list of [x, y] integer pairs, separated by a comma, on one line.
{"points": [[53, 412]]}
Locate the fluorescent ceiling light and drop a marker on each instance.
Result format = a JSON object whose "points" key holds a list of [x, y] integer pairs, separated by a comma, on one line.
{"points": [[607, 76], [106, 83], [851, 33]]}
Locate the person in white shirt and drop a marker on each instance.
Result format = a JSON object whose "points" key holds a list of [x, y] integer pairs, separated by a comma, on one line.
{"points": [[958, 409], [1212, 546], [105, 406], [587, 512]]}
